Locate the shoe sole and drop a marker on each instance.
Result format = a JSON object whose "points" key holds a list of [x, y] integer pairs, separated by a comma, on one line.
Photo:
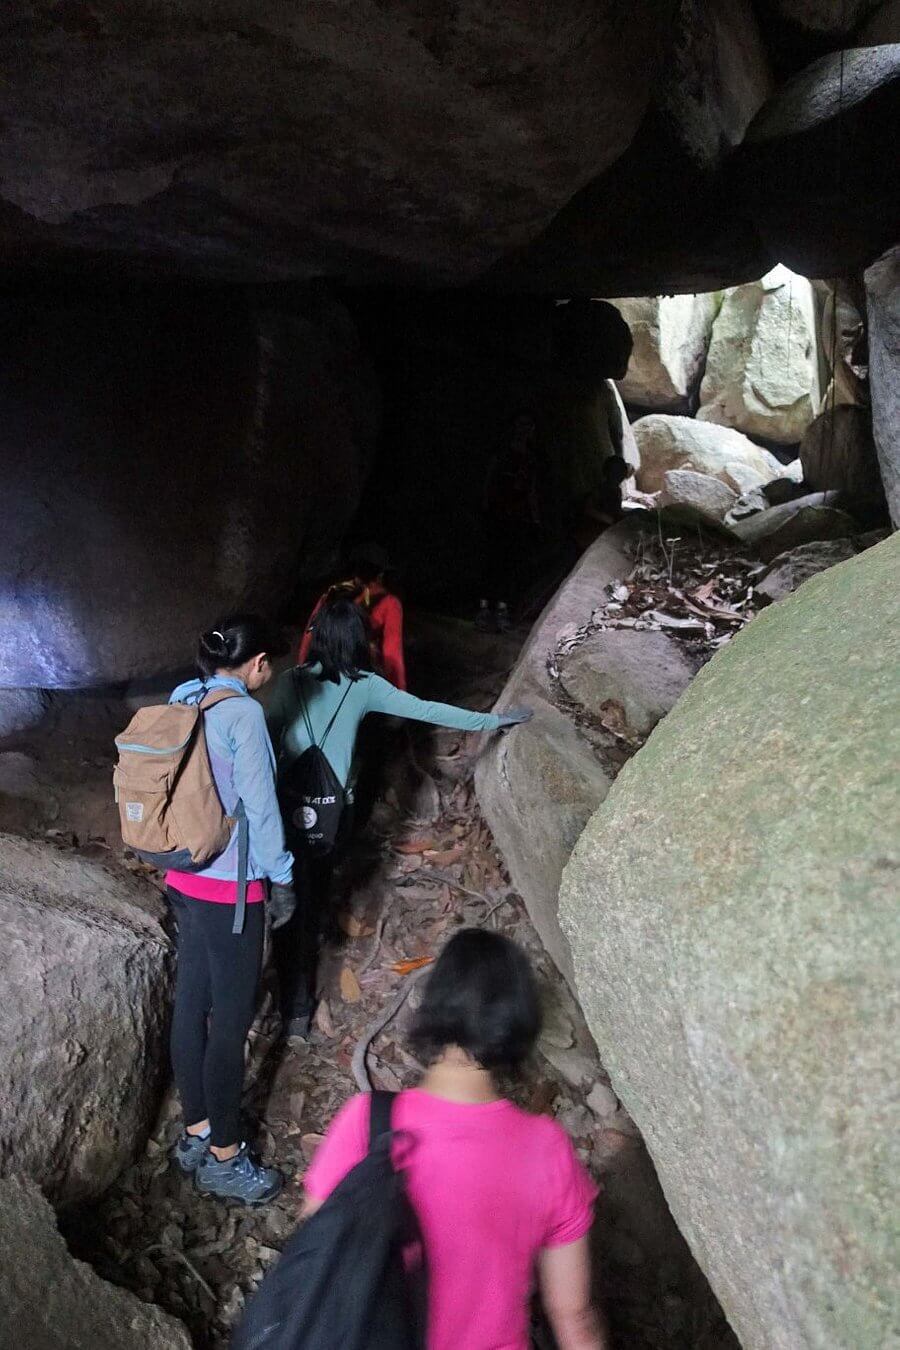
{"points": [[238, 1200]]}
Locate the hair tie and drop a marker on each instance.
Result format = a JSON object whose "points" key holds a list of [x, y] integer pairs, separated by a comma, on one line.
{"points": [[216, 633]]}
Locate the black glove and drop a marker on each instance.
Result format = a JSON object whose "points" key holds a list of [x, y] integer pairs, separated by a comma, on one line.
{"points": [[282, 903], [511, 717]]}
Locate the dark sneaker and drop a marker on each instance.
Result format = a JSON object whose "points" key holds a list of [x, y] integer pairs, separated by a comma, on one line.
{"points": [[189, 1151], [297, 1026], [238, 1179]]}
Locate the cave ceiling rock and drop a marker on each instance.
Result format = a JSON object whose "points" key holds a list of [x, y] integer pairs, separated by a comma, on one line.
{"points": [[406, 140]]}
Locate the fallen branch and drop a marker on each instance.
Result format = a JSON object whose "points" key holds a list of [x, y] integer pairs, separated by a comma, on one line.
{"points": [[180, 1256]]}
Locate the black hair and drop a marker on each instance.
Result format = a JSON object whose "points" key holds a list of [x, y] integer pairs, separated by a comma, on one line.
{"points": [[368, 561], [236, 639], [340, 640], [481, 996], [617, 468]]}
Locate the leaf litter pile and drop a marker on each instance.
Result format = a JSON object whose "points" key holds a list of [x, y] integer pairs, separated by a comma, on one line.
{"points": [[697, 589], [425, 865]]}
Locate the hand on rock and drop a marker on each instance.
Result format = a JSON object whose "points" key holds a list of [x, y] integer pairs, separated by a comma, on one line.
{"points": [[282, 903], [512, 717]]}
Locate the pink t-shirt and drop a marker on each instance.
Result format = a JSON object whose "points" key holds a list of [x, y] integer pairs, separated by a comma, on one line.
{"points": [[491, 1186]]}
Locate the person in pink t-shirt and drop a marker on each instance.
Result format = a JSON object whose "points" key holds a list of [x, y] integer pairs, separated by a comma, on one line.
{"points": [[499, 1193]]}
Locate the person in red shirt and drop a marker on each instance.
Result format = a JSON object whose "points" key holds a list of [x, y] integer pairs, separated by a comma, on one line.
{"points": [[383, 610]]}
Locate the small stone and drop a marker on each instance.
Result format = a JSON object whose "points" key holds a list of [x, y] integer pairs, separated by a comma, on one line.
{"points": [[602, 1100]]}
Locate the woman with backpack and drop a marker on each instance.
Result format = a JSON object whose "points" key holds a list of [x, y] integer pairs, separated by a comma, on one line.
{"points": [[316, 710], [218, 967], [498, 1193]]}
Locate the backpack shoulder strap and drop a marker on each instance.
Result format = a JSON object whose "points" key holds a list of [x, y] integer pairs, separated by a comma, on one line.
{"points": [[380, 1110], [218, 696], [334, 715]]}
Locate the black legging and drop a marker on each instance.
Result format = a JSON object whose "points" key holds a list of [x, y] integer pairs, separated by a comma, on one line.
{"points": [[215, 1001]]}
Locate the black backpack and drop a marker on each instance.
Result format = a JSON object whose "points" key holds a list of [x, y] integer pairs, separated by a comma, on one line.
{"points": [[311, 796], [342, 1282]]}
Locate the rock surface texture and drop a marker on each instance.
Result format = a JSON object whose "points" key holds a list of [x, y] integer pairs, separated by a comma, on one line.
{"points": [[179, 455], [762, 368], [83, 1022], [697, 496], [50, 1301], [668, 442], [539, 784], [838, 454], [645, 672], [732, 907], [671, 336], [362, 140], [803, 521], [883, 307], [789, 570]]}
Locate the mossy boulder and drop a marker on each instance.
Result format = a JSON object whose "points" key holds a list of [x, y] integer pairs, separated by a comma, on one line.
{"points": [[732, 912]]}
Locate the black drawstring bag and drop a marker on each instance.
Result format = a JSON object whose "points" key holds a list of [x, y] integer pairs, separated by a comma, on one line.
{"points": [[353, 1276], [311, 795]]}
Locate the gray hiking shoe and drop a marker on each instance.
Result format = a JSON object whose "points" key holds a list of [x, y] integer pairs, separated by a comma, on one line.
{"points": [[189, 1150], [239, 1179]]}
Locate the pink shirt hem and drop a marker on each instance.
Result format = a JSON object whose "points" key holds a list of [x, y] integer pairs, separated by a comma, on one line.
{"points": [[216, 891]]}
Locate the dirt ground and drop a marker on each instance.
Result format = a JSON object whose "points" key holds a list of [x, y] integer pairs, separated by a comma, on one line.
{"points": [[424, 865]]}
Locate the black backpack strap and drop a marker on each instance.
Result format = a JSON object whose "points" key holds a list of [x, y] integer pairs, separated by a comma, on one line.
{"points": [[380, 1116], [334, 715]]}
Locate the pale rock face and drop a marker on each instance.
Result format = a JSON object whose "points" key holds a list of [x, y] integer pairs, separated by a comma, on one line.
{"points": [[762, 374], [801, 521], [671, 336], [697, 496], [668, 442], [83, 1020], [789, 570], [50, 1301], [731, 907]]}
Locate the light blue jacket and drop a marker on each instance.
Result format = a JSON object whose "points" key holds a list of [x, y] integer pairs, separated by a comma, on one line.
{"points": [[243, 766]]}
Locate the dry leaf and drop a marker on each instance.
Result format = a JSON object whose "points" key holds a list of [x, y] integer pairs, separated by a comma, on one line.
{"points": [[413, 845], [446, 857], [407, 967], [350, 990], [354, 927], [323, 1019]]}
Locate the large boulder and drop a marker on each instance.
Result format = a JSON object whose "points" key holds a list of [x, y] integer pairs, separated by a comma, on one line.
{"points": [[882, 27], [83, 1020], [671, 336], [883, 307], [802, 521], [281, 141], [838, 454], [164, 460], [668, 442], [21, 710], [810, 170], [50, 1301], [731, 908], [539, 784], [762, 373]]}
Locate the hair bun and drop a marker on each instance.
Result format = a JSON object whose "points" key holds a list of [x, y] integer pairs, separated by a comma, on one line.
{"points": [[215, 642]]}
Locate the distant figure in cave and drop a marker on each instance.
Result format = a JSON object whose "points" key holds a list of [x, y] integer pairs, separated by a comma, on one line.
{"points": [[367, 585], [512, 525]]}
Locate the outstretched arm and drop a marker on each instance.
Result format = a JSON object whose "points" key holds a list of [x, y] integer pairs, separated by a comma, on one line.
{"points": [[385, 698]]}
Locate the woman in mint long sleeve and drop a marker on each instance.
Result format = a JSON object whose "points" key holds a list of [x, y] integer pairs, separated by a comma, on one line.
{"points": [[338, 689]]}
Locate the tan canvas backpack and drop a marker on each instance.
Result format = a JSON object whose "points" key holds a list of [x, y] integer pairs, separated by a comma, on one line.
{"points": [[169, 807]]}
